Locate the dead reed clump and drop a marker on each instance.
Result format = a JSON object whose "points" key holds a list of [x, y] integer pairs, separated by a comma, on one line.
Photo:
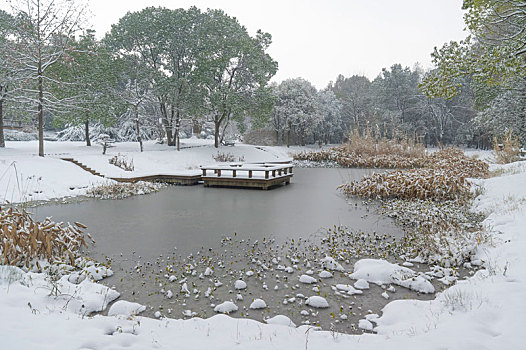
{"points": [[24, 241], [506, 150], [411, 184], [120, 190], [122, 162], [369, 151]]}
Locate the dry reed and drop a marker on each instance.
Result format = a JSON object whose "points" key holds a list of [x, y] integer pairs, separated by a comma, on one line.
{"points": [[24, 241]]}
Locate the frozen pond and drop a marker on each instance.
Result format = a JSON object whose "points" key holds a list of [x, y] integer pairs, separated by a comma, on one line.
{"points": [[193, 217], [161, 244]]}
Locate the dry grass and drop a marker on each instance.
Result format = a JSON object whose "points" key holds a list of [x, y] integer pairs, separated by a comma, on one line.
{"points": [[24, 241], [507, 149]]}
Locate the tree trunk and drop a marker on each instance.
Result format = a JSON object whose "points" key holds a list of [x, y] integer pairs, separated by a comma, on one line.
{"points": [[137, 128], [2, 140], [288, 138], [216, 132], [167, 125], [86, 125], [176, 133], [40, 111]]}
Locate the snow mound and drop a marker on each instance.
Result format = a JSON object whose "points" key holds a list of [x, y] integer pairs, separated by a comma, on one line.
{"points": [[226, 307], [240, 284], [307, 279], [329, 263], [281, 320], [317, 302], [125, 308], [258, 304], [382, 272]]}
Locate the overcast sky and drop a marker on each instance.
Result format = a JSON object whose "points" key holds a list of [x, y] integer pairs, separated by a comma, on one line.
{"points": [[319, 39]]}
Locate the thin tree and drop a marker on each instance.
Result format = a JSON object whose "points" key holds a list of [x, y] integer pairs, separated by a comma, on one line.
{"points": [[44, 29]]}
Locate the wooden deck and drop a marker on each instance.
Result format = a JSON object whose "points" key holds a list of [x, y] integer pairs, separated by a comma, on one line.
{"points": [[263, 176]]}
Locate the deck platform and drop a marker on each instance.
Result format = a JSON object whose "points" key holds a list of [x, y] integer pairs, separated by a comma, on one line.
{"points": [[263, 176]]}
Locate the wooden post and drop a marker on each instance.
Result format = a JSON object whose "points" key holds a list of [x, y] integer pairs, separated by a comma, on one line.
{"points": [[266, 174], [273, 173], [279, 172], [218, 172], [234, 173], [290, 170], [250, 174], [204, 172]]}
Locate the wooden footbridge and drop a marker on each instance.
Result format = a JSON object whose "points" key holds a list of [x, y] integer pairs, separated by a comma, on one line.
{"points": [[258, 175]]}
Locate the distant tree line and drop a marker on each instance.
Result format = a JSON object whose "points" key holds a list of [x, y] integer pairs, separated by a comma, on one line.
{"points": [[158, 67]]}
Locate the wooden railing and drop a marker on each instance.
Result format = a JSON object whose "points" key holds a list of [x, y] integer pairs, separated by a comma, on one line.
{"points": [[235, 170]]}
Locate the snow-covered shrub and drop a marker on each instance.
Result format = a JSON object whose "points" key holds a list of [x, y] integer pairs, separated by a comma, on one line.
{"points": [[15, 135], [119, 190], [24, 241], [446, 233], [227, 157], [122, 161]]}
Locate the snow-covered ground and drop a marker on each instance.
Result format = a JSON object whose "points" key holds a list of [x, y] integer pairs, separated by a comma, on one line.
{"points": [[485, 311], [26, 177]]}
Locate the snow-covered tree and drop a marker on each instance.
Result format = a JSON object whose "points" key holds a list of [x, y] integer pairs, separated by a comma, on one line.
{"points": [[88, 76], [43, 31], [332, 128], [296, 108], [354, 94]]}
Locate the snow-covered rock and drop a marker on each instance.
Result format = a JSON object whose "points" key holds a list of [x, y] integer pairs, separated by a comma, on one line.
{"points": [[382, 272], [317, 302], [365, 325], [361, 284], [240, 284], [226, 307], [329, 263], [307, 279], [348, 289], [125, 308], [325, 274], [280, 320], [258, 304]]}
